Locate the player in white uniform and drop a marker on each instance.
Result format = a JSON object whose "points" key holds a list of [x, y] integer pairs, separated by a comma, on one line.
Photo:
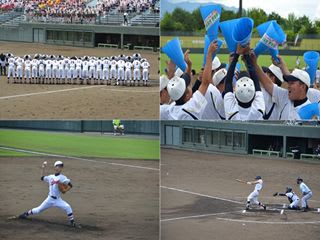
{"points": [[85, 70], [306, 194], [120, 66], [105, 71], [48, 63], [127, 74], [73, 72], [55, 71], [34, 70], [27, 70], [54, 197], [113, 69], [292, 197], [67, 73], [79, 69], [92, 70], [19, 69], [136, 71], [11, 69], [246, 102], [253, 197], [60, 71], [98, 71], [145, 72], [41, 71]]}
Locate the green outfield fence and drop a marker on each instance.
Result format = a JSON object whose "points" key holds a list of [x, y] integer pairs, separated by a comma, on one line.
{"points": [[131, 126]]}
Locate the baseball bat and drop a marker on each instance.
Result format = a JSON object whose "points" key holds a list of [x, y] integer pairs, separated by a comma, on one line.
{"points": [[239, 180]]}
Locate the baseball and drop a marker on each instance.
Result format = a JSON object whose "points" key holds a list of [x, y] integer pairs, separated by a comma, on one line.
{"points": [[44, 163]]}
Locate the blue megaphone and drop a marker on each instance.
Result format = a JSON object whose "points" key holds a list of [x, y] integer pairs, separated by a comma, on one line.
{"points": [[207, 42], [271, 40], [311, 59], [242, 31], [226, 28], [263, 27], [174, 52], [310, 111], [211, 18]]}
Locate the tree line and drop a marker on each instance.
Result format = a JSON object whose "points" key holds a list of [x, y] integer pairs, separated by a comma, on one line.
{"points": [[181, 20]]}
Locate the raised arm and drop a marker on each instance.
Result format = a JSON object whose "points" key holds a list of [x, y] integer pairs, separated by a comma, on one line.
{"points": [[43, 169], [206, 77]]}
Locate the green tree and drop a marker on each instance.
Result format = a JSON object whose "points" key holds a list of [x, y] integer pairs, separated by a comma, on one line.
{"points": [[167, 23], [258, 15]]}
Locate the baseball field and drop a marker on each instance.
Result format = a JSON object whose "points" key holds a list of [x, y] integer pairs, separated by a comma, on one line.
{"points": [[38, 101], [200, 198], [115, 192]]}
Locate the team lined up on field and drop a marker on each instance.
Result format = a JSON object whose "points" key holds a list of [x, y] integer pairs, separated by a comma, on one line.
{"points": [[50, 69]]}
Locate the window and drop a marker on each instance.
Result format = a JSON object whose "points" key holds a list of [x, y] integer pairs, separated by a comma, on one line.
{"points": [[87, 37], [239, 139], [199, 135], [213, 137], [187, 135], [226, 138]]}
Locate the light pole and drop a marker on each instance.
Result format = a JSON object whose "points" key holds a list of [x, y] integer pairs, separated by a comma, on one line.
{"points": [[240, 8]]}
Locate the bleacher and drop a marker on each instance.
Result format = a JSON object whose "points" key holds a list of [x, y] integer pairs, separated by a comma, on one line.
{"points": [[147, 19], [9, 18]]}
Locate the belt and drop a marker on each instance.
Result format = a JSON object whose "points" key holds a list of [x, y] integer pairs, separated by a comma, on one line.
{"points": [[53, 197]]}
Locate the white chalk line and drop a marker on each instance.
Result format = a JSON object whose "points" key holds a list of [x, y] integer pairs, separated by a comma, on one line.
{"points": [[48, 92], [201, 195], [197, 216], [267, 222], [311, 200], [126, 90], [78, 158]]}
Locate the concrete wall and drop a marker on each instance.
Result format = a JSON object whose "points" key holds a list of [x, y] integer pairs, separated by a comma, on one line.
{"points": [[132, 127]]}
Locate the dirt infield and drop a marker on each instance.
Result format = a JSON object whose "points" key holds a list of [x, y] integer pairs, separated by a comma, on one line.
{"points": [[110, 202], [200, 198], [22, 101]]}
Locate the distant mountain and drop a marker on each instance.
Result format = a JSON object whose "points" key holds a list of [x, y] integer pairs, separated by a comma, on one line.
{"points": [[168, 6]]}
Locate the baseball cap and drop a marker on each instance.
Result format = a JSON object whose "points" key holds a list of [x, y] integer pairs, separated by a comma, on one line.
{"points": [[298, 75], [215, 63], [275, 71], [176, 87], [245, 90], [57, 163], [163, 82], [219, 76]]}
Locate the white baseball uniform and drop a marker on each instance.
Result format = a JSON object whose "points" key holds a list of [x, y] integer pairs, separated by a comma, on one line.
{"points": [[145, 71], [113, 69], [293, 199], [85, 69], [215, 108], [120, 65], [253, 197], [105, 71], [48, 68], [11, 69], [234, 111], [19, 62], [34, 68], [127, 75], [78, 68], [54, 198], [27, 69], [307, 194], [136, 70]]}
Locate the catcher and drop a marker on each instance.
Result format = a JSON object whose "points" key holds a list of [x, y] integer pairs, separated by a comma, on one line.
{"points": [[292, 197], [58, 184]]}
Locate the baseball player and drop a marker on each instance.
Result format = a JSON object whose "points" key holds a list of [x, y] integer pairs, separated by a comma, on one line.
{"points": [[105, 71], [34, 69], [253, 197], [127, 74], [136, 71], [79, 70], [99, 71], [61, 71], [41, 70], [85, 70], [11, 69], [48, 63], [113, 69], [145, 71], [120, 66], [306, 194], [19, 69], [92, 70], [55, 71], [54, 197], [292, 197], [136, 56]]}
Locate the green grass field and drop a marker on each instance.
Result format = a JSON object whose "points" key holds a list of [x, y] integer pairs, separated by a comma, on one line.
{"points": [[12, 153], [79, 145], [197, 42], [197, 59]]}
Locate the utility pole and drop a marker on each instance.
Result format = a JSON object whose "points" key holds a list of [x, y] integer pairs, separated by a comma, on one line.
{"points": [[240, 8]]}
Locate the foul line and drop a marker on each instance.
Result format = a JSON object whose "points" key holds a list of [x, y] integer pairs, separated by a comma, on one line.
{"points": [[48, 92], [77, 158], [202, 195], [265, 222], [196, 216]]}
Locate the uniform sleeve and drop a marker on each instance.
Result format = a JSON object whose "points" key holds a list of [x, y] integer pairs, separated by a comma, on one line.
{"points": [[196, 104], [45, 178], [257, 107], [279, 95], [65, 180], [231, 107]]}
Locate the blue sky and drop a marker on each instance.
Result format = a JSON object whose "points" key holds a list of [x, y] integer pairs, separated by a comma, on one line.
{"points": [[311, 8]]}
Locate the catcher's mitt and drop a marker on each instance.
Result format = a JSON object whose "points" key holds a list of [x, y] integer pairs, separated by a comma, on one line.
{"points": [[275, 194], [63, 187]]}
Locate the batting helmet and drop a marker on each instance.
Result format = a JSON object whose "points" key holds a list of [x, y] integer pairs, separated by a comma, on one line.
{"points": [[288, 189], [258, 177], [58, 163], [245, 90]]}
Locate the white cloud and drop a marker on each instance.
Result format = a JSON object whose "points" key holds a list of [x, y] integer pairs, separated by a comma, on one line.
{"points": [[310, 8]]}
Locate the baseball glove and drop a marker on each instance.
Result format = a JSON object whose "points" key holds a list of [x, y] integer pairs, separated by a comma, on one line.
{"points": [[275, 194], [63, 187]]}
